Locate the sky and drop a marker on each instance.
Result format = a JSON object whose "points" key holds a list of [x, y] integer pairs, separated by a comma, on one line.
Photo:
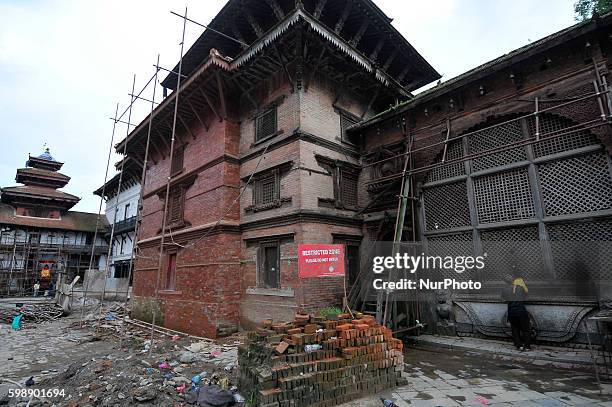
{"points": [[65, 64]]}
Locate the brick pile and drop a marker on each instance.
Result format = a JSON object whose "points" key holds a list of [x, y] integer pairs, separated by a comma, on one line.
{"points": [[314, 361]]}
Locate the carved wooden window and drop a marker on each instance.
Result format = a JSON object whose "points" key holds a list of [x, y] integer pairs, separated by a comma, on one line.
{"points": [[176, 203], [267, 190], [348, 188], [346, 120], [178, 159], [266, 124], [268, 265]]}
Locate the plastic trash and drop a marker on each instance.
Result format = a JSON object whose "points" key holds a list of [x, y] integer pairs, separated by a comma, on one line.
{"points": [[482, 400], [181, 388], [30, 382], [238, 398], [16, 325], [164, 365], [149, 370], [168, 376], [176, 338], [388, 403], [110, 317], [213, 395], [312, 348]]}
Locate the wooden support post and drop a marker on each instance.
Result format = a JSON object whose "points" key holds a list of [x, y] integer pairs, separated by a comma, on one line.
{"points": [[253, 23], [210, 104], [372, 100], [319, 8], [221, 95], [197, 115], [193, 136], [278, 12], [362, 29], [345, 13], [448, 130]]}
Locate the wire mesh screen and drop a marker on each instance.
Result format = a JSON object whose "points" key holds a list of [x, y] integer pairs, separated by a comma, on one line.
{"points": [[265, 124], [453, 152], [493, 137], [582, 250], [268, 191], [455, 245], [551, 125], [575, 185], [516, 250], [504, 197], [446, 206]]}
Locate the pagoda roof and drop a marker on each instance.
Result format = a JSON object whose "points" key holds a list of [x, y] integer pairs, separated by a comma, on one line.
{"points": [[359, 23], [71, 220], [41, 177], [38, 193], [44, 161]]}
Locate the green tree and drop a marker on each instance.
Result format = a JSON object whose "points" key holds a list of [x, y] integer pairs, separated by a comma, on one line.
{"points": [[585, 9]]}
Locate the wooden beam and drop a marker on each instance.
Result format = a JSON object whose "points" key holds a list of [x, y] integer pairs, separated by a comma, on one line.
{"points": [[362, 29], [246, 93], [253, 23], [144, 148], [389, 60], [210, 104], [372, 100], [221, 95], [281, 57], [378, 47], [197, 115], [193, 136], [314, 69], [156, 148], [161, 136], [238, 35], [278, 12], [319, 8], [345, 13]]}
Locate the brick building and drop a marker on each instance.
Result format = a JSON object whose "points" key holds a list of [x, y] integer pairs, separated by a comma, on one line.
{"points": [[296, 133], [270, 117]]}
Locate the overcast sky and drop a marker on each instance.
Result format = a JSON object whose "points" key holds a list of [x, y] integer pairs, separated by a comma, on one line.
{"points": [[64, 64]]}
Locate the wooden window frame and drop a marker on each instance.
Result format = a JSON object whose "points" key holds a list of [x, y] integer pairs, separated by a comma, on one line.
{"points": [[259, 122], [258, 196], [261, 262], [174, 220], [170, 283], [178, 160], [346, 115]]}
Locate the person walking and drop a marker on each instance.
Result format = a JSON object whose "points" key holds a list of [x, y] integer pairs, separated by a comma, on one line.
{"points": [[515, 295], [36, 288]]}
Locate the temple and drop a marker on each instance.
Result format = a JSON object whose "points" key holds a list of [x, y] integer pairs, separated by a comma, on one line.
{"points": [[40, 237]]}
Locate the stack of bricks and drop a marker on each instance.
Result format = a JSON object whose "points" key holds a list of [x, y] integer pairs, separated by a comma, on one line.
{"points": [[314, 361]]}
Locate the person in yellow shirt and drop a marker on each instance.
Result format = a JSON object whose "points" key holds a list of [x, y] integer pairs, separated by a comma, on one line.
{"points": [[515, 296], [45, 272]]}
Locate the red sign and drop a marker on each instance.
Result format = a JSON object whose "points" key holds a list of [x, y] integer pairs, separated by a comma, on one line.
{"points": [[320, 260]]}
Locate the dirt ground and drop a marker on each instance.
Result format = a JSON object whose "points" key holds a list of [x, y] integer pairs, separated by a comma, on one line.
{"points": [[110, 368]]}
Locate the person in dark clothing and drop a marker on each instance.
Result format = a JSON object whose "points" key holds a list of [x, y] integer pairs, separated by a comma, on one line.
{"points": [[515, 295]]}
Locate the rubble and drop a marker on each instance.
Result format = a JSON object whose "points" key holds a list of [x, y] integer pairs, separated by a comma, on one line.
{"points": [[314, 361], [32, 313]]}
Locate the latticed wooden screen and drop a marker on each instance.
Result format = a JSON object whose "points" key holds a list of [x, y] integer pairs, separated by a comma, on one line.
{"points": [[265, 124], [493, 137], [453, 152], [577, 184], [446, 206], [558, 189], [457, 244], [504, 197], [513, 249], [582, 251]]}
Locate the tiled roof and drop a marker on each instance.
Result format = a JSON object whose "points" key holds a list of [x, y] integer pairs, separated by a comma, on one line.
{"points": [[43, 173], [39, 192], [71, 220]]}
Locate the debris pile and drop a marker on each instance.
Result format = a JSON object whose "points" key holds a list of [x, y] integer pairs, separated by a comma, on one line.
{"points": [[314, 361], [36, 313], [173, 371]]}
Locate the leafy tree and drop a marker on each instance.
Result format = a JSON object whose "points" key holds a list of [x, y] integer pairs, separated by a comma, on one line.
{"points": [[585, 9]]}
